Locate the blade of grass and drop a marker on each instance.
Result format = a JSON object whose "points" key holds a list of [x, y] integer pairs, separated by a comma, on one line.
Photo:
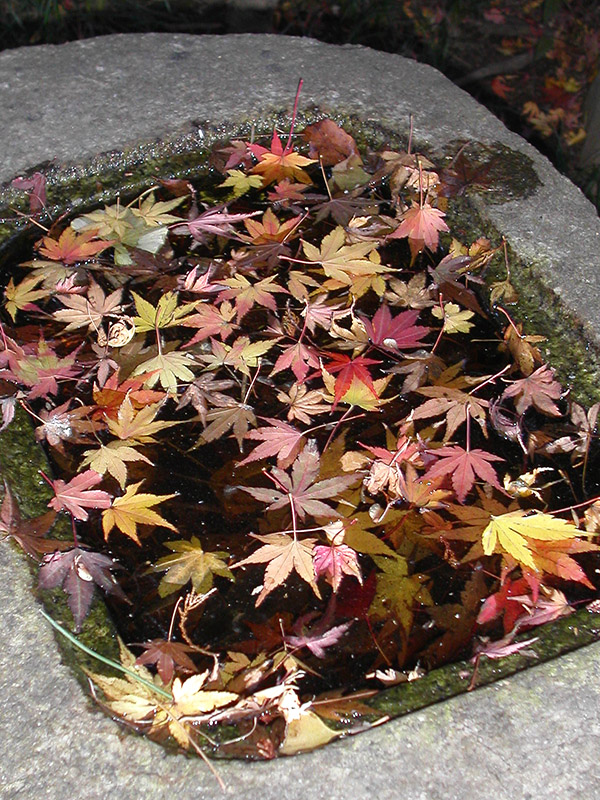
{"points": [[104, 659]]}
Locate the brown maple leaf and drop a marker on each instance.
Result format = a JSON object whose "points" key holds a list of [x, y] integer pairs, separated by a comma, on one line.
{"points": [[166, 655], [29, 533]]}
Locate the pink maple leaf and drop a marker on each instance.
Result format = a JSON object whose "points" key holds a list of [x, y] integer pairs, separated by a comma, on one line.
{"points": [[421, 224], [318, 637], [299, 358], [281, 440], [35, 188], [76, 495]]}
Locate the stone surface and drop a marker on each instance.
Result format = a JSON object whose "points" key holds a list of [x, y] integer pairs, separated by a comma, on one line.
{"points": [[537, 734]]}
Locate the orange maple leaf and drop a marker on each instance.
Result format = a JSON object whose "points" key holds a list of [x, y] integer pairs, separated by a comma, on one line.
{"points": [[279, 162], [72, 247]]}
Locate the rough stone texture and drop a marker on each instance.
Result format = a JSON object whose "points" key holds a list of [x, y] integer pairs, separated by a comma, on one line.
{"points": [[537, 734]]}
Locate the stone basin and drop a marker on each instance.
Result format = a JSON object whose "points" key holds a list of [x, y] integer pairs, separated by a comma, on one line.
{"points": [[120, 101]]}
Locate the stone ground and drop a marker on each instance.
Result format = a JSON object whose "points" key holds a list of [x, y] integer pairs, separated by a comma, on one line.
{"points": [[536, 734]]}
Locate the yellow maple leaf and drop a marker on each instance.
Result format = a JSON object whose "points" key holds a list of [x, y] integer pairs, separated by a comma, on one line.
{"points": [[509, 533], [133, 509]]}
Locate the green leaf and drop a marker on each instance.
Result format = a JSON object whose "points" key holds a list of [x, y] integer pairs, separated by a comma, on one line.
{"points": [[189, 562]]}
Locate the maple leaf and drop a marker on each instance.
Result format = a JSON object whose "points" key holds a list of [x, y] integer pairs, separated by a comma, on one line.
{"points": [[279, 162], [77, 495], [165, 314], [63, 424], [77, 570], [190, 562], [204, 390], [112, 458], [153, 212], [319, 636], [507, 601], [421, 493], [456, 320], [280, 440], [35, 186], [109, 398], [166, 655], [38, 367], [502, 648], [395, 333], [72, 247], [270, 228], [538, 390], [197, 282], [210, 321], [133, 509], [299, 489], [397, 593], [167, 368], [543, 609], [345, 263], [29, 533], [304, 403], [241, 355], [299, 358], [241, 183], [89, 310], [283, 555], [422, 225], [511, 533], [464, 465], [454, 405], [22, 297], [350, 370], [229, 415], [336, 559], [138, 425], [246, 294]]}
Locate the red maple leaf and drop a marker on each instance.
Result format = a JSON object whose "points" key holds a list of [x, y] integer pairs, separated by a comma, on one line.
{"points": [[166, 654], [508, 601], [35, 188], [349, 370], [395, 333], [334, 560], [29, 533], [319, 636], [464, 465]]}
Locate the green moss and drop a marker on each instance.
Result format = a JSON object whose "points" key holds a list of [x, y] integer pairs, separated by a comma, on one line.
{"points": [[553, 640]]}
